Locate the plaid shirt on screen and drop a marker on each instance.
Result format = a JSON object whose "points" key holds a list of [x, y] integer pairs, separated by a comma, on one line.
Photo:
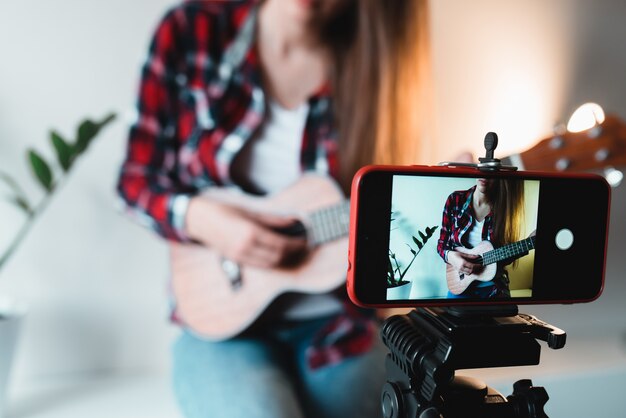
{"points": [[458, 220]]}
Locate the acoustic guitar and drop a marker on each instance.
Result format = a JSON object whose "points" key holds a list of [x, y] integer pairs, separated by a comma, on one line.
{"points": [[218, 299], [488, 257]]}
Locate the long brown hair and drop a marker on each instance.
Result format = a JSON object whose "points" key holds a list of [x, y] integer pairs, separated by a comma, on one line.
{"points": [[507, 204], [381, 82]]}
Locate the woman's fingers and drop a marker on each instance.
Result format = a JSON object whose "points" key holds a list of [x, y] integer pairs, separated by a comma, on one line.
{"points": [[258, 245], [241, 235], [464, 263], [270, 248]]}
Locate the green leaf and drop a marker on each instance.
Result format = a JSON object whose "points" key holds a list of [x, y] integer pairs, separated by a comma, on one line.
{"points": [[87, 131], [417, 242], [10, 181], [19, 197], [108, 119], [430, 231], [64, 151], [423, 237], [41, 169], [22, 204], [413, 251]]}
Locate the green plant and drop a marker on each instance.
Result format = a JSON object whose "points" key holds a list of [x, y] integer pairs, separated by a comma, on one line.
{"points": [[48, 178], [395, 273]]}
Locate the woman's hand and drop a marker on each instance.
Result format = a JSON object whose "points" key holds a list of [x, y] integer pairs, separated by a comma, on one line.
{"points": [[462, 262], [241, 236]]}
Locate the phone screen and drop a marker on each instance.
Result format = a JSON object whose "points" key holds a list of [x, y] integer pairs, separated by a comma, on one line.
{"points": [[443, 237], [489, 225]]}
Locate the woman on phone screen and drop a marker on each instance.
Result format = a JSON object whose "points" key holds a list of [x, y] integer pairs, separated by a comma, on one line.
{"points": [[492, 210]]}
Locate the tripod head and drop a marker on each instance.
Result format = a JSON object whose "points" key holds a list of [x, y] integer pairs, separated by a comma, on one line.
{"points": [[428, 345]]}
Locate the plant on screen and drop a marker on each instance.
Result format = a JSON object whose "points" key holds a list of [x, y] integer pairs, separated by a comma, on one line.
{"points": [[395, 270]]}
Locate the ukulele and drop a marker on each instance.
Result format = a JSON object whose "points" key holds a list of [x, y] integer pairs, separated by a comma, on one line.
{"points": [[218, 299], [488, 257], [600, 147]]}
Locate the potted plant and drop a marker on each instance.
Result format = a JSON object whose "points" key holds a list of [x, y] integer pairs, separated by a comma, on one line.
{"points": [[396, 284], [50, 178]]}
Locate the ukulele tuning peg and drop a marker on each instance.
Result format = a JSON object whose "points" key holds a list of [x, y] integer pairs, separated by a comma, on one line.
{"points": [[595, 132], [602, 154], [557, 142]]}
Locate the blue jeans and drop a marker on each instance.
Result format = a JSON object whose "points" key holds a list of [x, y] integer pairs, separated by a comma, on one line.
{"points": [[267, 377]]}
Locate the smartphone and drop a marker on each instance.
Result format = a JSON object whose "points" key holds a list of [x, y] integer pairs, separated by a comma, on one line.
{"points": [[442, 236]]}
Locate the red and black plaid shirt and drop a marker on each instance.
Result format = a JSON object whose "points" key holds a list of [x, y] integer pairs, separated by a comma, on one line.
{"points": [[458, 220], [200, 101]]}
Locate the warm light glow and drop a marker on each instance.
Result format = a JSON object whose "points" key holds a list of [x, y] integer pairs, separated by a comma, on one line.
{"points": [[585, 117]]}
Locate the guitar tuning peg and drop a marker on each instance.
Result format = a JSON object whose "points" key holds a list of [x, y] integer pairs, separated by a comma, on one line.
{"points": [[613, 176]]}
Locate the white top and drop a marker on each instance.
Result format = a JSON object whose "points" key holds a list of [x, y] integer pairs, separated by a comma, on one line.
{"points": [[271, 161], [475, 236]]}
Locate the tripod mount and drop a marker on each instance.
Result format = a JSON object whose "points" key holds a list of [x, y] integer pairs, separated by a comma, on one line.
{"points": [[428, 345]]}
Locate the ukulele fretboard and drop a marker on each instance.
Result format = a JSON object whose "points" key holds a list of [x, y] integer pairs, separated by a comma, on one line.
{"points": [[329, 223], [509, 251]]}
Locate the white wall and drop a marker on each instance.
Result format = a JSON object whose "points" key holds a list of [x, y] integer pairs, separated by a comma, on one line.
{"points": [[96, 282], [500, 66]]}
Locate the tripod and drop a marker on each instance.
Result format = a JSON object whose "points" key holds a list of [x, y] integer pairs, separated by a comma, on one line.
{"points": [[428, 345]]}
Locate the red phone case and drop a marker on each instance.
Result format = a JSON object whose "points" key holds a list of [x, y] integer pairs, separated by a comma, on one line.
{"points": [[354, 210]]}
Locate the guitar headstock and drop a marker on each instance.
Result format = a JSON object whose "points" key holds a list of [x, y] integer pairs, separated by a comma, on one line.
{"points": [[598, 148]]}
